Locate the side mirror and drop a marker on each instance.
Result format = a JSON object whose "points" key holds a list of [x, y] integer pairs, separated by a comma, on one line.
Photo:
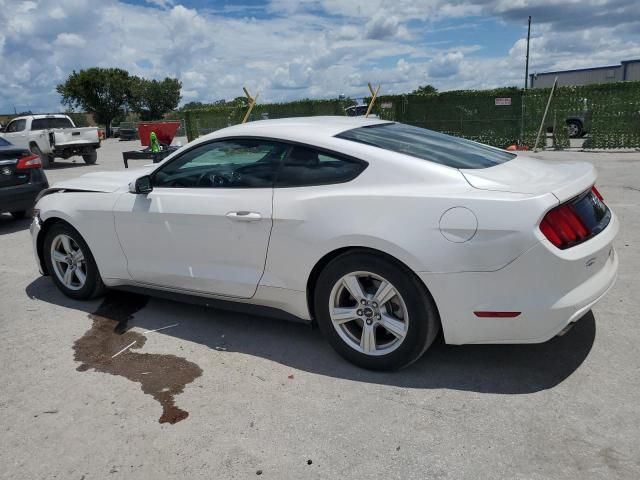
{"points": [[141, 185]]}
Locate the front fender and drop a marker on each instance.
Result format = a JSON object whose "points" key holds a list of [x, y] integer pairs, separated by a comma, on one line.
{"points": [[90, 213]]}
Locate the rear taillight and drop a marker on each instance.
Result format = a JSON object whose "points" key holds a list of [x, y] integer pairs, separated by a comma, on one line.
{"points": [[563, 226], [29, 161], [597, 193]]}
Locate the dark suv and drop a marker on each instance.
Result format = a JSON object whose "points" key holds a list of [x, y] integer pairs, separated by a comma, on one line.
{"points": [[21, 179]]}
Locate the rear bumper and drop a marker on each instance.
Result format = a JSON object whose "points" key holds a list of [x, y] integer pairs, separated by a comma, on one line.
{"points": [[551, 289], [69, 149], [20, 197]]}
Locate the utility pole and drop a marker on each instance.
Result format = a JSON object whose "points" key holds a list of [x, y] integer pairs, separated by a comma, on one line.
{"points": [[526, 70]]}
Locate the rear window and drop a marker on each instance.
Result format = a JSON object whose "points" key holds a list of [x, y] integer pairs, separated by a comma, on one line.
{"points": [[428, 145], [45, 123]]}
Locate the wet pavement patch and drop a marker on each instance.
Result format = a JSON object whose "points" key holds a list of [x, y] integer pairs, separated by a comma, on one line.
{"points": [[161, 376]]}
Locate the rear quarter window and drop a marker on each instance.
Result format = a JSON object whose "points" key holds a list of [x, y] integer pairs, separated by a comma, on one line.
{"points": [[428, 145], [306, 166]]}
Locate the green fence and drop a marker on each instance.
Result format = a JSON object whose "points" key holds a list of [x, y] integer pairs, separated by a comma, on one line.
{"points": [[491, 116], [609, 113], [206, 120]]}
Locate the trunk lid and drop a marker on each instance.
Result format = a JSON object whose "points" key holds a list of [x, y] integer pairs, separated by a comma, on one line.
{"points": [[563, 178]]}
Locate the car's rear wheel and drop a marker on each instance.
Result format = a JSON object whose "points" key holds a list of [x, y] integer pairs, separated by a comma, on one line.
{"points": [[91, 158], [71, 264], [374, 312], [43, 158]]}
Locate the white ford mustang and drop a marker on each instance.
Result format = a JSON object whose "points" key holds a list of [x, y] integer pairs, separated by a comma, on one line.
{"points": [[382, 233]]}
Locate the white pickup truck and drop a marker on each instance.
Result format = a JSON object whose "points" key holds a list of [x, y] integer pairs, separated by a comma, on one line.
{"points": [[53, 136]]}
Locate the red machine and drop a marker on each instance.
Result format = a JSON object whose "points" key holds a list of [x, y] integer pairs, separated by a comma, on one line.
{"points": [[165, 131]]}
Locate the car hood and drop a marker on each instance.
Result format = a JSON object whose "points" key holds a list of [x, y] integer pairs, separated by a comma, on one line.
{"points": [[565, 179], [103, 181]]}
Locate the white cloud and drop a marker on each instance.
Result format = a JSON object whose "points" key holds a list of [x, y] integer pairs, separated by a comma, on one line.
{"points": [[69, 40], [446, 65], [295, 51], [381, 26], [57, 13], [161, 3]]}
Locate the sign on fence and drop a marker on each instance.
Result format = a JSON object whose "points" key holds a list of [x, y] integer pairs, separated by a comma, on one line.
{"points": [[503, 101], [386, 105]]}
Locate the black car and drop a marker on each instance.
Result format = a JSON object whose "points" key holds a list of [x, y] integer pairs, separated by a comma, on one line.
{"points": [[21, 179]]}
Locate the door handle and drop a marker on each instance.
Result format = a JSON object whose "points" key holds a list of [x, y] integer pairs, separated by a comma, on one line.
{"points": [[244, 216]]}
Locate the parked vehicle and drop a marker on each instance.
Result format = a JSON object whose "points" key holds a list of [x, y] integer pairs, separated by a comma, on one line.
{"points": [[381, 232], [53, 136], [577, 124], [21, 179], [359, 110]]}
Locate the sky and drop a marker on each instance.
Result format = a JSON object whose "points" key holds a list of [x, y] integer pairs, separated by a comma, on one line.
{"points": [[293, 49]]}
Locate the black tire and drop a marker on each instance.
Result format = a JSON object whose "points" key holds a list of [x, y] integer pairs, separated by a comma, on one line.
{"points": [[575, 128], [424, 321], [91, 158], [20, 215], [93, 287], [43, 158]]}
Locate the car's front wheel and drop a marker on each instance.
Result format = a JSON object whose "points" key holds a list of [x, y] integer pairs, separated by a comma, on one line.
{"points": [[575, 128], [71, 264], [374, 312]]}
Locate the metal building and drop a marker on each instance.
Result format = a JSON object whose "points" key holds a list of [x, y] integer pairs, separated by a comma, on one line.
{"points": [[628, 70]]}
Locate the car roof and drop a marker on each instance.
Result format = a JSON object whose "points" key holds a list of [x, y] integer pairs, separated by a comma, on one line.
{"points": [[41, 115], [296, 128]]}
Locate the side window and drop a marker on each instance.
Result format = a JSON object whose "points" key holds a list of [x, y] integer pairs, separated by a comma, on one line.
{"points": [[306, 166], [223, 164], [50, 122], [16, 126]]}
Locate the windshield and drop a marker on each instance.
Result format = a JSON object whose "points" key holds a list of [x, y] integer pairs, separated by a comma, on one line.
{"points": [[428, 145], [51, 122], [3, 142]]}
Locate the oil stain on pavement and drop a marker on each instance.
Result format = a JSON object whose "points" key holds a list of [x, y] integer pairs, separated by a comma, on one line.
{"points": [[161, 376]]}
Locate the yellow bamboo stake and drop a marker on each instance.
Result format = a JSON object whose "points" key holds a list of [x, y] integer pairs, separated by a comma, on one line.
{"points": [[373, 99], [544, 117], [252, 103]]}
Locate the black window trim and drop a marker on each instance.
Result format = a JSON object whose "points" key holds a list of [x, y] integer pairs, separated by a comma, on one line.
{"points": [[290, 144]]}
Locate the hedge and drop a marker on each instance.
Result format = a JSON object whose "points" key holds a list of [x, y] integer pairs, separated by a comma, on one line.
{"points": [[498, 117]]}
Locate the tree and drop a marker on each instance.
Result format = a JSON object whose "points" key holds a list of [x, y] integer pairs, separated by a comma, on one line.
{"points": [[425, 90], [193, 106], [102, 92], [239, 102], [151, 99]]}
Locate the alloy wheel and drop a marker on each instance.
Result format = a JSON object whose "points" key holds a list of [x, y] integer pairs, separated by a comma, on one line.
{"points": [[68, 262], [368, 313]]}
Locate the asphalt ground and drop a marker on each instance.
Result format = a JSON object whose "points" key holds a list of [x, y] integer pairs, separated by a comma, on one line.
{"points": [[226, 395]]}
